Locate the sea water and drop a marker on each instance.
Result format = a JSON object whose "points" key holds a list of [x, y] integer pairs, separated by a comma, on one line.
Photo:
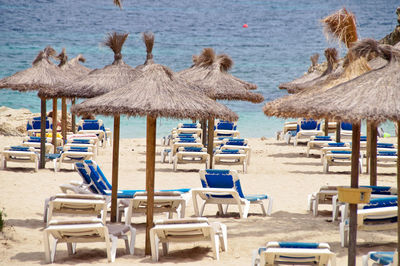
{"points": [[275, 47]]}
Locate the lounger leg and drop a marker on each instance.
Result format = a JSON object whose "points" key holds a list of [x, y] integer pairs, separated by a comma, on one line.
{"points": [[254, 260], [343, 234], [310, 199], [220, 209], [315, 207], [46, 247], [183, 209], [270, 205], [246, 209], [36, 164], [333, 259], [70, 249], [244, 167], [165, 248], [175, 163], [133, 240], [226, 209], [195, 204], [263, 208], [114, 242], [224, 242], [154, 245], [326, 166], [215, 245], [53, 251], [202, 208], [365, 259]]}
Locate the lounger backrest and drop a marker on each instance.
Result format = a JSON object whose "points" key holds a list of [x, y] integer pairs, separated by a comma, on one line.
{"points": [[236, 142], [34, 139], [98, 176], [381, 202], [383, 190], [387, 153], [308, 125], [188, 125], [346, 126], [385, 145], [298, 245], [18, 148], [86, 177], [219, 178], [336, 144], [225, 126], [34, 123], [79, 141]]}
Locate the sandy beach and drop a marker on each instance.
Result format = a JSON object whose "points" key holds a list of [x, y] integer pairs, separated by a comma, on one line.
{"points": [[277, 169]]}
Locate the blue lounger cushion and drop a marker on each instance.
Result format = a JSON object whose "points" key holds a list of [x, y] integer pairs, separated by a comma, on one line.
{"points": [[52, 156], [341, 152], [192, 149], [189, 125], [298, 245], [383, 190], [322, 138], [382, 257], [235, 142], [387, 153], [19, 148], [381, 202], [230, 151], [384, 145], [336, 144]]}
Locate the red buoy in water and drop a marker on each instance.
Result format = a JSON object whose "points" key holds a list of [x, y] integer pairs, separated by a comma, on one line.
{"points": [[245, 26]]}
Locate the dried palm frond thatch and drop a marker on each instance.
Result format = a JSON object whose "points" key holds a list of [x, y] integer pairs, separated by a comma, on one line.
{"points": [[157, 92], [210, 73], [341, 25], [74, 67], [62, 57], [118, 3], [98, 81], [42, 74], [355, 97]]}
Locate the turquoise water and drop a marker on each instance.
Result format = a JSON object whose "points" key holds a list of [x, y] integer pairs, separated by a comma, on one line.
{"points": [[275, 48]]}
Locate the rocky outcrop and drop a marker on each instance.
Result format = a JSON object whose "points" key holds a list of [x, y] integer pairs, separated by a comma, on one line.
{"points": [[13, 121]]}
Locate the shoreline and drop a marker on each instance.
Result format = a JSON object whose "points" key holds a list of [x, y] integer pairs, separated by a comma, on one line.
{"points": [[279, 170]]}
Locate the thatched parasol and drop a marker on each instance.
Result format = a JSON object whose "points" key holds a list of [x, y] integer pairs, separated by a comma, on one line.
{"points": [[157, 92], [340, 26], [98, 81], [373, 96], [42, 74], [210, 74]]}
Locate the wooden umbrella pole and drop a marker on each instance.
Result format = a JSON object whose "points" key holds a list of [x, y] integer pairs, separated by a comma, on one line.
{"points": [[210, 147], [338, 131], [373, 153], [355, 155], [326, 127], [73, 118], [150, 168], [64, 119], [204, 131], [42, 163], [398, 195], [368, 153], [115, 164], [54, 131]]}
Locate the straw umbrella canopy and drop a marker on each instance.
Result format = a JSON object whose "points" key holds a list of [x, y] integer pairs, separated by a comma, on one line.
{"points": [[157, 92], [210, 74], [374, 96], [98, 81], [75, 68], [42, 74]]}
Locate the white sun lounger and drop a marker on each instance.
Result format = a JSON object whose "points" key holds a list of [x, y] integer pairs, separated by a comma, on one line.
{"points": [[164, 202], [338, 157], [222, 187], [19, 154], [85, 230], [388, 258], [187, 230], [294, 253], [72, 155], [374, 219], [191, 155], [231, 157]]}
